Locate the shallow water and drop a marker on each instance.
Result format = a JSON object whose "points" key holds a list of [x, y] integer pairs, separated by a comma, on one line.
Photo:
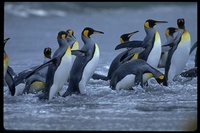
{"points": [[32, 27]]}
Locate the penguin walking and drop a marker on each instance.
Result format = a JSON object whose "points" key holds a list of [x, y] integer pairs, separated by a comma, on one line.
{"points": [[84, 67], [8, 78], [179, 52], [131, 73], [57, 72], [151, 44], [118, 59], [169, 34]]}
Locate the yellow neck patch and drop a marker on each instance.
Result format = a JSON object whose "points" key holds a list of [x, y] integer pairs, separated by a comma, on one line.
{"points": [[161, 77], [167, 32], [63, 36], [121, 40], [75, 46], [70, 32], [186, 36], [146, 24], [85, 33], [135, 56]]}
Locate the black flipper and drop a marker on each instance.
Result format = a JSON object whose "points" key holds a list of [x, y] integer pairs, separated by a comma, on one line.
{"points": [[130, 44], [193, 47], [190, 73], [10, 82], [79, 53], [99, 76], [170, 45], [40, 67]]}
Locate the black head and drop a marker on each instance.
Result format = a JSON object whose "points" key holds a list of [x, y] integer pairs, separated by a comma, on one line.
{"points": [[170, 31], [47, 52], [62, 35], [126, 37], [150, 23], [162, 80], [70, 32], [87, 32], [181, 23]]}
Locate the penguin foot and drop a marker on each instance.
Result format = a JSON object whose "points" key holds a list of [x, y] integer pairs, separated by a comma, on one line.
{"points": [[69, 93], [42, 96]]}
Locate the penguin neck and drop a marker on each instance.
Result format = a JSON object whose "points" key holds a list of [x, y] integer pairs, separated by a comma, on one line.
{"points": [[70, 40], [170, 39], [62, 43], [87, 40], [150, 32]]}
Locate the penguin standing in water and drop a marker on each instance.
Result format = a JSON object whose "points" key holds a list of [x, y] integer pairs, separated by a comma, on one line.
{"points": [[34, 83], [179, 53], [57, 72], [169, 33], [131, 73], [151, 44], [118, 59], [84, 67], [7, 74]]}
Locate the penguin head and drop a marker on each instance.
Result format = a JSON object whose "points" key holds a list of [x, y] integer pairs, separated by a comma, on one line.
{"points": [[87, 32], [70, 32], [170, 31], [5, 41], [161, 80], [126, 37], [150, 23], [47, 52], [62, 35], [181, 23]]}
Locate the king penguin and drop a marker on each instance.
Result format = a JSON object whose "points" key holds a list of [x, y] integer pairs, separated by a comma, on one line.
{"points": [[179, 53], [8, 78], [58, 68], [130, 74], [118, 59], [169, 34], [72, 40], [84, 67], [36, 82], [151, 44]]}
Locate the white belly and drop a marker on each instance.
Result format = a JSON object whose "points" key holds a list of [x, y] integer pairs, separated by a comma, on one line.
{"points": [[154, 56], [89, 70], [179, 59], [61, 74], [126, 83]]}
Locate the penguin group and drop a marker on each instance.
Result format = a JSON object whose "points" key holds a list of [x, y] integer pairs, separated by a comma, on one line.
{"points": [[141, 61]]}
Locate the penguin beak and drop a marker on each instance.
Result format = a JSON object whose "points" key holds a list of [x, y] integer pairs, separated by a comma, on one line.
{"points": [[97, 32], [5, 40], [132, 33], [160, 22]]}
